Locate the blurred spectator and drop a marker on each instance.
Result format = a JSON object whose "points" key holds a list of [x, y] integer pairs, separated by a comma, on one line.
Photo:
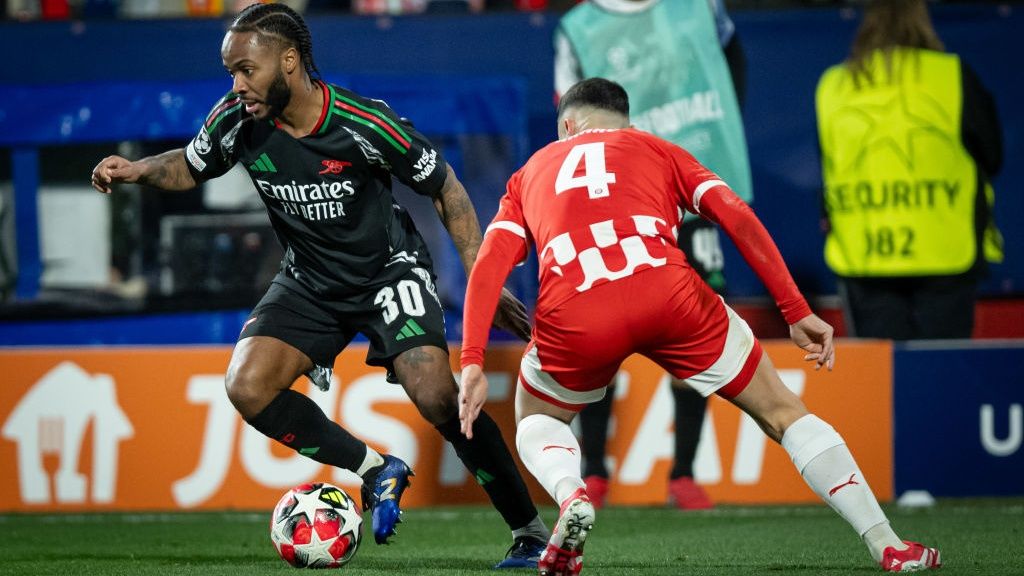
{"points": [[239, 5], [454, 6], [379, 7], [680, 63], [193, 8], [35, 9], [56, 9], [398, 7], [23, 9], [200, 8], [910, 141], [153, 9], [531, 5]]}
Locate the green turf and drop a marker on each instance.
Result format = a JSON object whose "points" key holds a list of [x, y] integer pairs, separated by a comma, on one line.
{"points": [[975, 537]]}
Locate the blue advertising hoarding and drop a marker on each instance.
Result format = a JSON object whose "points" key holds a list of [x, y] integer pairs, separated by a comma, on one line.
{"points": [[959, 418]]}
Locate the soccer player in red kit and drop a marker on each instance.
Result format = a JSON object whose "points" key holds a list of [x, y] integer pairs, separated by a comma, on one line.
{"points": [[601, 205]]}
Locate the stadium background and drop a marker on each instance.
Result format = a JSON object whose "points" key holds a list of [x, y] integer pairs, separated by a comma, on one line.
{"points": [[480, 85]]}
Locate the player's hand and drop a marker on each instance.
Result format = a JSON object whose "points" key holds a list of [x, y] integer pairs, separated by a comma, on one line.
{"points": [[815, 336], [511, 316], [111, 170], [472, 395]]}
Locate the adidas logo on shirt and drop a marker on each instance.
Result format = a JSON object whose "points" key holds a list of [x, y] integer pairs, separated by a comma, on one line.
{"points": [[263, 164]]}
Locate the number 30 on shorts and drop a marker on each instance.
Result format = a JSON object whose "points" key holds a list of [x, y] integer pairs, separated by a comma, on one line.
{"points": [[409, 295]]}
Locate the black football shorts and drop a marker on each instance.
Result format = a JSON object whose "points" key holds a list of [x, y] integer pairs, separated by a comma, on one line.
{"points": [[402, 315]]}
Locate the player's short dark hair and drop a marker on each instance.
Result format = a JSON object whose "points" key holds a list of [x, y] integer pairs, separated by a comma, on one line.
{"points": [[278, 23], [597, 92]]}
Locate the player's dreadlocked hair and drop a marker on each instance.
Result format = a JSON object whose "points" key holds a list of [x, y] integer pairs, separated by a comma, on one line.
{"points": [[279, 23]]}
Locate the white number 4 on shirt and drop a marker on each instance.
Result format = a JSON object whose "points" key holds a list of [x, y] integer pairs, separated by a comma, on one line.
{"points": [[596, 177]]}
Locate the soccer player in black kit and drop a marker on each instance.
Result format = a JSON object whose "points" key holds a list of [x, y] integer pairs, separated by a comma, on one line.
{"points": [[322, 159]]}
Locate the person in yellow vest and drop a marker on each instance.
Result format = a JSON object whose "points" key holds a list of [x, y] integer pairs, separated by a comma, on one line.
{"points": [[910, 141]]}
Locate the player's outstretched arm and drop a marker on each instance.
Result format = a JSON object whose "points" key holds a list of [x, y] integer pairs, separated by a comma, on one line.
{"points": [[167, 171], [815, 336], [472, 395], [499, 253], [807, 330], [723, 207], [459, 217]]}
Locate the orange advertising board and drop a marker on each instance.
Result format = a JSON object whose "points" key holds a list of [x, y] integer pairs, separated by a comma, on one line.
{"points": [[736, 462], [127, 428]]}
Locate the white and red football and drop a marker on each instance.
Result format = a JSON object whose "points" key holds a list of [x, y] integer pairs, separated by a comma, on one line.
{"points": [[316, 525]]}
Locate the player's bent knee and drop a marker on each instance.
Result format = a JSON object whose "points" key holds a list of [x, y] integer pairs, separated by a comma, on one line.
{"points": [[778, 415], [248, 390], [767, 399]]}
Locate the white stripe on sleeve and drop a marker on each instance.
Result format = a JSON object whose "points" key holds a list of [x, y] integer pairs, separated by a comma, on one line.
{"points": [[507, 225], [704, 187]]}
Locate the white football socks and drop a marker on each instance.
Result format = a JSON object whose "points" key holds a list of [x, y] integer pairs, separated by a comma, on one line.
{"points": [[550, 451], [372, 459], [822, 458]]}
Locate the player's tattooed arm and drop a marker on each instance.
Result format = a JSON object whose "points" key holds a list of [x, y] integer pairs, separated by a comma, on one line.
{"points": [[459, 217], [456, 211], [167, 171]]}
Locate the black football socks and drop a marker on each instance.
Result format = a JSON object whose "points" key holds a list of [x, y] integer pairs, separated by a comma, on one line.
{"points": [[296, 421], [594, 434], [690, 409], [487, 457]]}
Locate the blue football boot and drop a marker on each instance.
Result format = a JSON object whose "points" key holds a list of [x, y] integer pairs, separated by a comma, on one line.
{"points": [[524, 553], [384, 495]]}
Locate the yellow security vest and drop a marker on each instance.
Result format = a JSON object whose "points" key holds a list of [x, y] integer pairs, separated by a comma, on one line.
{"points": [[900, 187]]}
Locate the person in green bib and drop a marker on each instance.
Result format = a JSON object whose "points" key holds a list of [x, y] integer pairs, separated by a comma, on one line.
{"points": [[910, 141], [682, 66]]}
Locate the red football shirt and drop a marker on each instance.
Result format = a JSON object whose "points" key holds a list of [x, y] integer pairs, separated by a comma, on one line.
{"points": [[604, 205]]}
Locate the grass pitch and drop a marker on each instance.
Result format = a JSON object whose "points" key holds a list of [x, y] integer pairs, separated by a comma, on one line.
{"points": [[984, 536]]}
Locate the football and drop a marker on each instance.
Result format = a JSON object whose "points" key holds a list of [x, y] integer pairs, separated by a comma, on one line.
{"points": [[316, 525]]}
